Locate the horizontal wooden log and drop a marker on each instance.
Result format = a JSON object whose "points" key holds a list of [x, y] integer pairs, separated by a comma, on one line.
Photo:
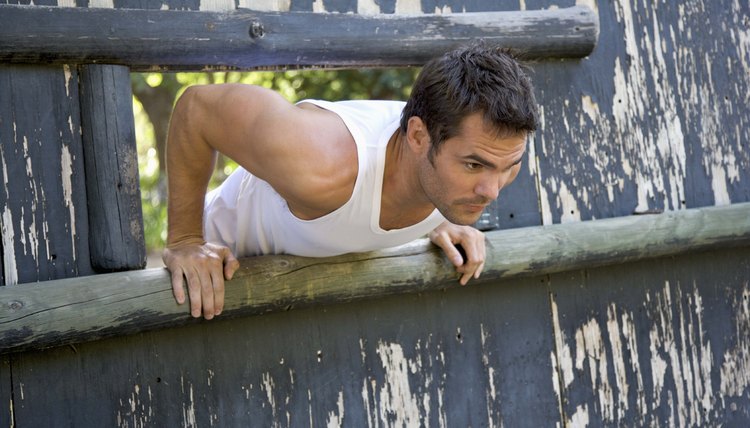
{"points": [[81, 309], [244, 39]]}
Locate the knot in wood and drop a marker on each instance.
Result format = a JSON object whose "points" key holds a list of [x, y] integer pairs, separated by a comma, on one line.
{"points": [[15, 305], [256, 30]]}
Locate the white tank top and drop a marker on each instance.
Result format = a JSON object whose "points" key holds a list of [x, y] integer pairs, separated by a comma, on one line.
{"points": [[247, 215]]}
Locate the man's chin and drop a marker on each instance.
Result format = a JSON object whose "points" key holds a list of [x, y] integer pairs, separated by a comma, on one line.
{"points": [[463, 219]]}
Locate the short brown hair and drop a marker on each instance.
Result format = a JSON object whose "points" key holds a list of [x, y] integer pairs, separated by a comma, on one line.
{"points": [[467, 80]]}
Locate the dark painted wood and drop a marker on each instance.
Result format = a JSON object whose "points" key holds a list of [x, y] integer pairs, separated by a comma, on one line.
{"points": [[111, 166], [176, 40], [455, 358], [648, 121], [69, 311], [43, 200], [658, 343], [6, 392]]}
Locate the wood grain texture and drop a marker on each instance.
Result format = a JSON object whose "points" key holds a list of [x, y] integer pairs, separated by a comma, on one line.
{"points": [[658, 343], [180, 40], [111, 167], [473, 356], [43, 216], [654, 119], [74, 310], [6, 392]]}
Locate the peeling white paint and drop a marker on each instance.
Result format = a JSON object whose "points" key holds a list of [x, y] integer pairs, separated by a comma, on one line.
{"points": [[679, 359], [493, 410], [218, 5], [137, 412], [68, 75], [10, 269], [397, 401], [618, 360], [408, 7], [590, 350], [66, 164], [318, 6], [580, 418], [188, 406], [368, 7], [564, 360], [735, 369], [660, 154], [264, 5], [336, 420], [105, 4], [267, 385], [567, 202]]}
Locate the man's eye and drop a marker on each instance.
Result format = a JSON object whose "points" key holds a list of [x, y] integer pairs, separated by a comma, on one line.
{"points": [[472, 166]]}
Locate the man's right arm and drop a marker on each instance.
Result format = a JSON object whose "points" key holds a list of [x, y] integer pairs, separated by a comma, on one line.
{"points": [[300, 152], [190, 163]]}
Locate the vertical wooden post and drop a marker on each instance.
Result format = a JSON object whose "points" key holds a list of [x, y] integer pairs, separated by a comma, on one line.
{"points": [[111, 164]]}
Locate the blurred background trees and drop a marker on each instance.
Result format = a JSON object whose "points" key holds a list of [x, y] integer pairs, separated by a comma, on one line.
{"points": [[155, 94]]}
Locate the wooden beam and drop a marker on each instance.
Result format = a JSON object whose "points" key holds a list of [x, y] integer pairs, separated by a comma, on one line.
{"points": [[244, 39], [87, 308], [111, 163]]}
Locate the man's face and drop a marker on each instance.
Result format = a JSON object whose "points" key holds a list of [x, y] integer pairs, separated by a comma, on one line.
{"points": [[470, 169]]}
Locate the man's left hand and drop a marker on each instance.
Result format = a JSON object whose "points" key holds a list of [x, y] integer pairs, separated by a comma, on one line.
{"points": [[448, 235]]}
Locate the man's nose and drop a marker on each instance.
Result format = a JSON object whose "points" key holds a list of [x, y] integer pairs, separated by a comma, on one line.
{"points": [[489, 187]]}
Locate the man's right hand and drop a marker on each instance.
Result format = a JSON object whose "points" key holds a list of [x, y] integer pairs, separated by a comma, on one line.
{"points": [[205, 266]]}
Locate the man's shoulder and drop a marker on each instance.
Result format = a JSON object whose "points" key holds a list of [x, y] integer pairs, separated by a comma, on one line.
{"points": [[368, 107]]}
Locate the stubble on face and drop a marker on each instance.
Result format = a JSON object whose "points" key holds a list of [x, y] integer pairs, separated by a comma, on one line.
{"points": [[452, 190], [461, 211]]}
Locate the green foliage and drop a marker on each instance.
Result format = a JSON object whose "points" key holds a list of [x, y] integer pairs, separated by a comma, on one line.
{"points": [[152, 89]]}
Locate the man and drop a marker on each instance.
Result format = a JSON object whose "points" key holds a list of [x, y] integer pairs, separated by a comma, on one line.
{"points": [[320, 179]]}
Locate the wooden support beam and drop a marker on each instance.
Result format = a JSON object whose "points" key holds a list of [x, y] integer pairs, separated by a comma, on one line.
{"points": [[111, 164], [87, 308], [244, 39]]}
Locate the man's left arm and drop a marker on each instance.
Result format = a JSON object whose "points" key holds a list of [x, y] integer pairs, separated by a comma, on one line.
{"points": [[448, 235]]}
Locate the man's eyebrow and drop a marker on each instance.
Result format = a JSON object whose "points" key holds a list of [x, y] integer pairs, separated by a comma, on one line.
{"points": [[478, 159]]}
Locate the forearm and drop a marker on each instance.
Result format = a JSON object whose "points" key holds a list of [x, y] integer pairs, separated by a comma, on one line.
{"points": [[190, 162]]}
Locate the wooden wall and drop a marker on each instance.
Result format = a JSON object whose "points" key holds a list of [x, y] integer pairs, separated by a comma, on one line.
{"points": [[655, 119]]}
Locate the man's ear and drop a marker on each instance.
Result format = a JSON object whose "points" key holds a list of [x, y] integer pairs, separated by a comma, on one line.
{"points": [[417, 136]]}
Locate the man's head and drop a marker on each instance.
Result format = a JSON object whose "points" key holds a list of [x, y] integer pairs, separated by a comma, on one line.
{"points": [[473, 79]]}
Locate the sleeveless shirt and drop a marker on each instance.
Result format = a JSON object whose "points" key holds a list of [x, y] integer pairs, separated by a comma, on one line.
{"points": [[247, 215]]}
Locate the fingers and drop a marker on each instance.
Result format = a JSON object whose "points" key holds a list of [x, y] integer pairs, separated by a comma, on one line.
{"points": [[230, 263], [177, 286], [217, 281], [203, 269], [448, 236], [443, 240]]}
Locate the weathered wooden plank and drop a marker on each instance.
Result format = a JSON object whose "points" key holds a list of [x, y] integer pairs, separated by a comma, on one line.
{"points": [[146, 39], [111, 164], [6, 392], [650, 121], [663, 342], [73, 310], [474, 356], [43, 202]]}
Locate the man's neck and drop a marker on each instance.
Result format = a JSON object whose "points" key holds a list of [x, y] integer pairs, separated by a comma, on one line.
{"points": [[402, 202]]}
